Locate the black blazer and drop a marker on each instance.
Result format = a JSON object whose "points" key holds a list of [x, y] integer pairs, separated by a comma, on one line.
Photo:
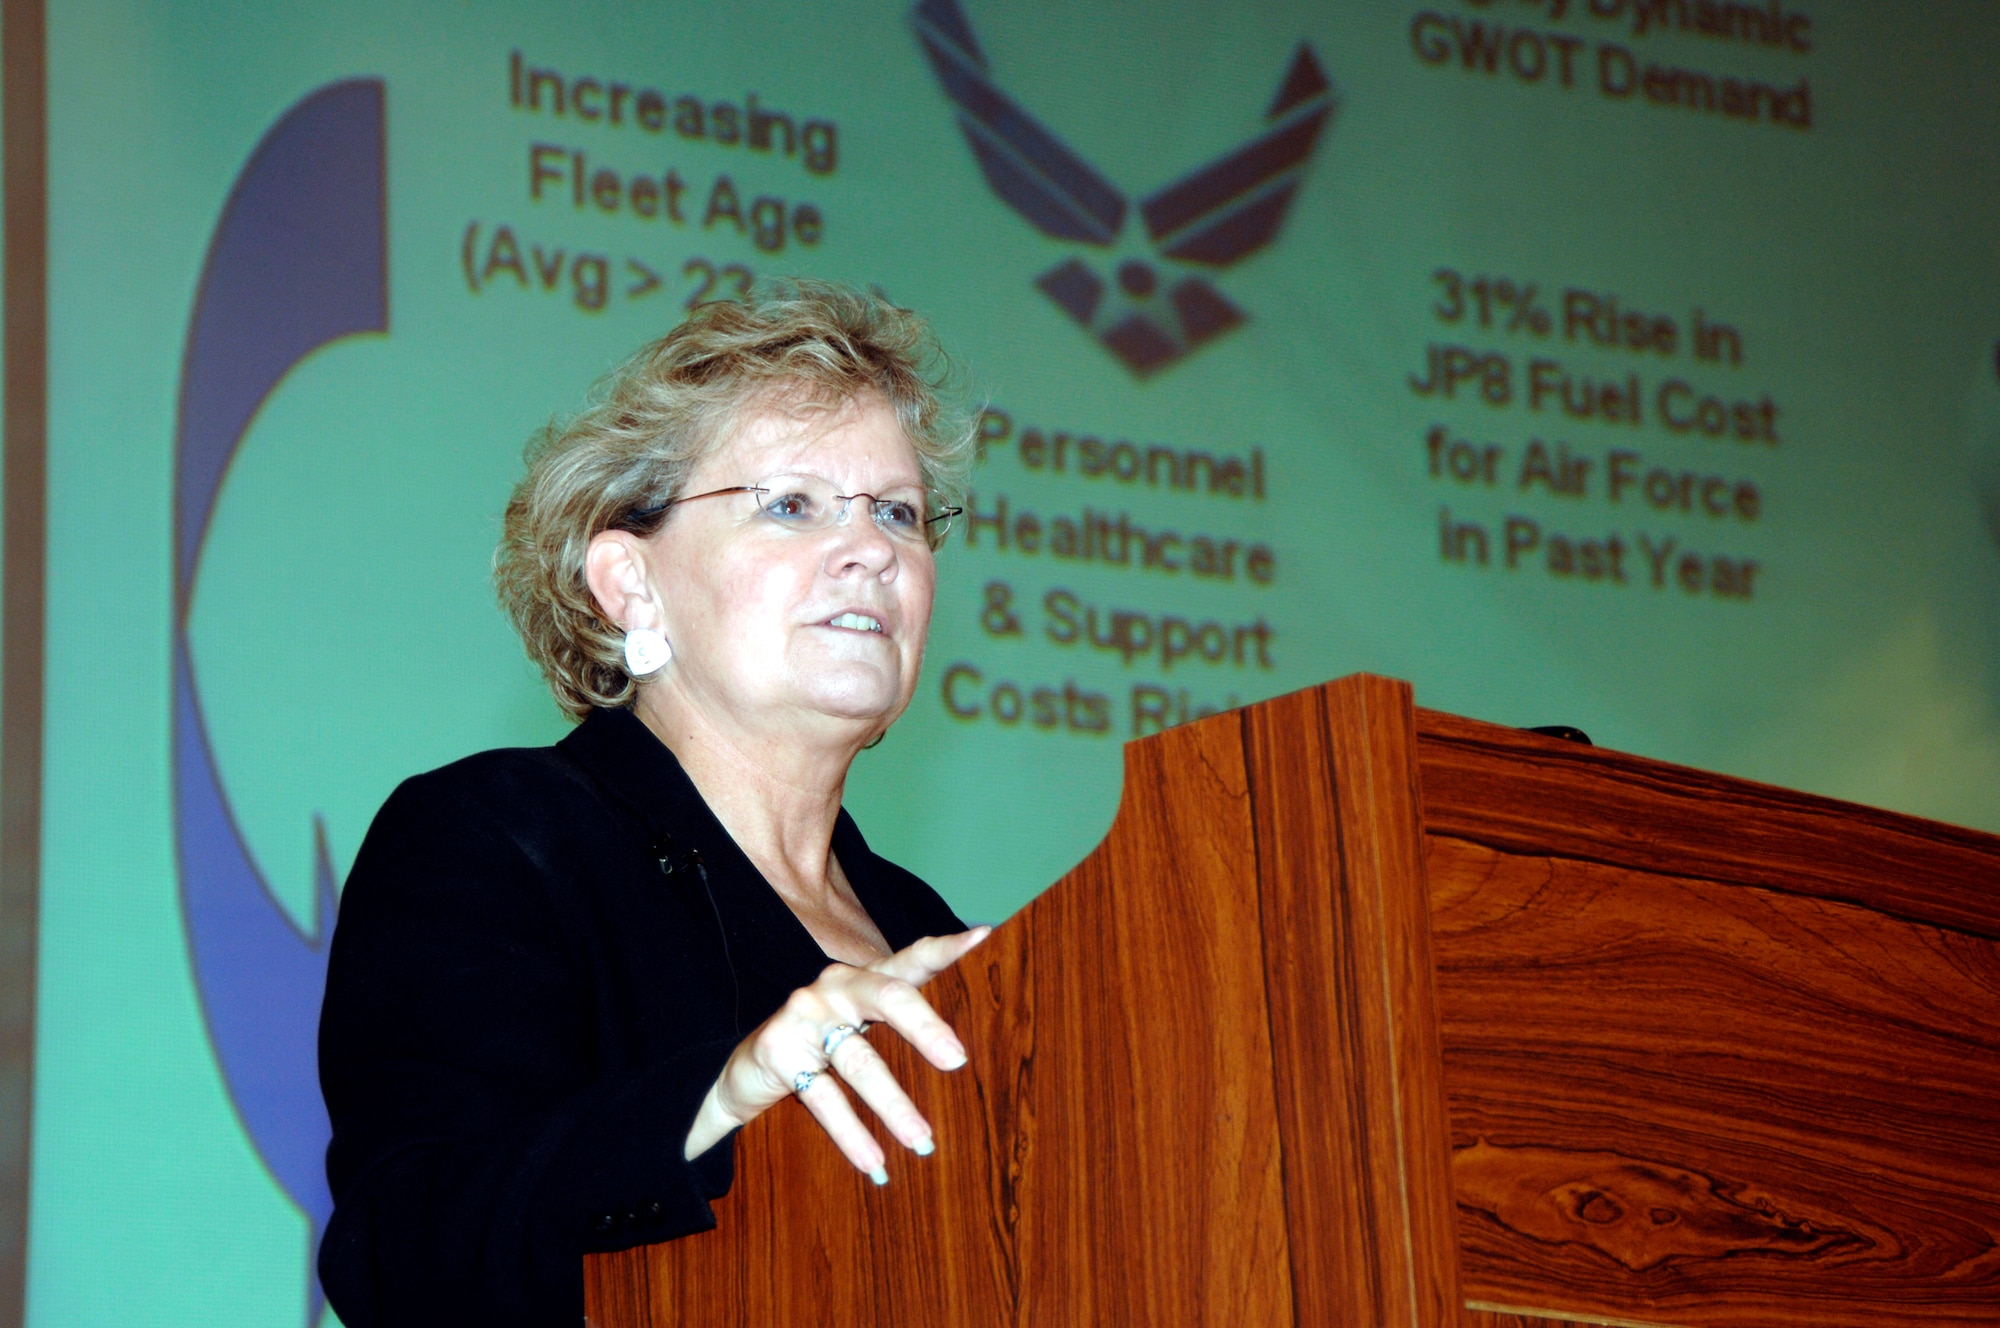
{"points": [[543, 958]]}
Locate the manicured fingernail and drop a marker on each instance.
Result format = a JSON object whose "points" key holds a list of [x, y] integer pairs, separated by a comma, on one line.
{"points": [[951, 1057], [879, 1175], [924, 1147]]}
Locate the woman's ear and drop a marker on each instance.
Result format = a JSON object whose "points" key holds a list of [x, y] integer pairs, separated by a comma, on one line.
{"points": [[617, 571]]}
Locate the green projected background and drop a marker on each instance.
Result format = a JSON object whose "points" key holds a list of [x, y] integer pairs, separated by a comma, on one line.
{"points": [[1616, 363]]}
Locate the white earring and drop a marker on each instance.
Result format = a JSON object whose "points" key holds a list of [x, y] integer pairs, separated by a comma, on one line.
{"points": [[646, 651]]}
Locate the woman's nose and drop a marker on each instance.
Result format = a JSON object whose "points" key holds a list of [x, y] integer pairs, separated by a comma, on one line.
{"points": [[861, 541]]}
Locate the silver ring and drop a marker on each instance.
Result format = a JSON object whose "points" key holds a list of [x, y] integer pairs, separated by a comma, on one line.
{"points": [[803, 1080], [836, 1035]]}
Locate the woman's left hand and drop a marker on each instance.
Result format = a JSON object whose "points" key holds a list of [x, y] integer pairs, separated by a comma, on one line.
{"points": [[787, 1054]]}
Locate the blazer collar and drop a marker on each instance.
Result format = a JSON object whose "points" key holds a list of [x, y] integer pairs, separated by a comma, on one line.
{"points": [[640, 775]]}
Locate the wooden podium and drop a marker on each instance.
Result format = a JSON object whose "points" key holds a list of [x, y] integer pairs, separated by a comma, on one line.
{"points": [[1366, 1015]]}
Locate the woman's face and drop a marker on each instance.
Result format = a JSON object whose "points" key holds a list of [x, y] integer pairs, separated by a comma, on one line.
{"points": [[772, 624]]}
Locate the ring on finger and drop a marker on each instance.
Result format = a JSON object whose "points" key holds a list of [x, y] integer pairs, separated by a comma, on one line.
{"points": [[836, 1035], [803, 1080]]}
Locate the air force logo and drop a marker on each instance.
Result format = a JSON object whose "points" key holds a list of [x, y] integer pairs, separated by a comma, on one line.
{"points": [[1210, 219]]}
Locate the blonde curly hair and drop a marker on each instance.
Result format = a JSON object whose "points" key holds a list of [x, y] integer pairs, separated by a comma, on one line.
{"points": [[649, 423]]}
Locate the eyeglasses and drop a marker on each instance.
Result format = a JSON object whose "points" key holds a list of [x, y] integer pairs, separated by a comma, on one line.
{"points": [[806, 503]]}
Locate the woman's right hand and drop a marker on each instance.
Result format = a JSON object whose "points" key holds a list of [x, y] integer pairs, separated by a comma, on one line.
{"points": [[765, 1066]]}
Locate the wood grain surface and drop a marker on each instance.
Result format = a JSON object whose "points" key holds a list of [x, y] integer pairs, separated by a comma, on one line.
{"points": [[1716, 1054], [1348, 966], [1524, 793], [1115, 1153], [1477, 1316]]}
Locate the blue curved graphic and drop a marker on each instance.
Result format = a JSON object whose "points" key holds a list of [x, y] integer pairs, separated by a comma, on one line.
{"points": [[299, 259]]}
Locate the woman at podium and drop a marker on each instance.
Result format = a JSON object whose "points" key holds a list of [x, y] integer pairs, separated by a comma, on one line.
{"points": [[562, 977]]}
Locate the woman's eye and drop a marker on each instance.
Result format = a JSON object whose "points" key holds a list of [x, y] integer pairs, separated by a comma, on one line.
{"points": [[789, 506], [899, 515]]}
